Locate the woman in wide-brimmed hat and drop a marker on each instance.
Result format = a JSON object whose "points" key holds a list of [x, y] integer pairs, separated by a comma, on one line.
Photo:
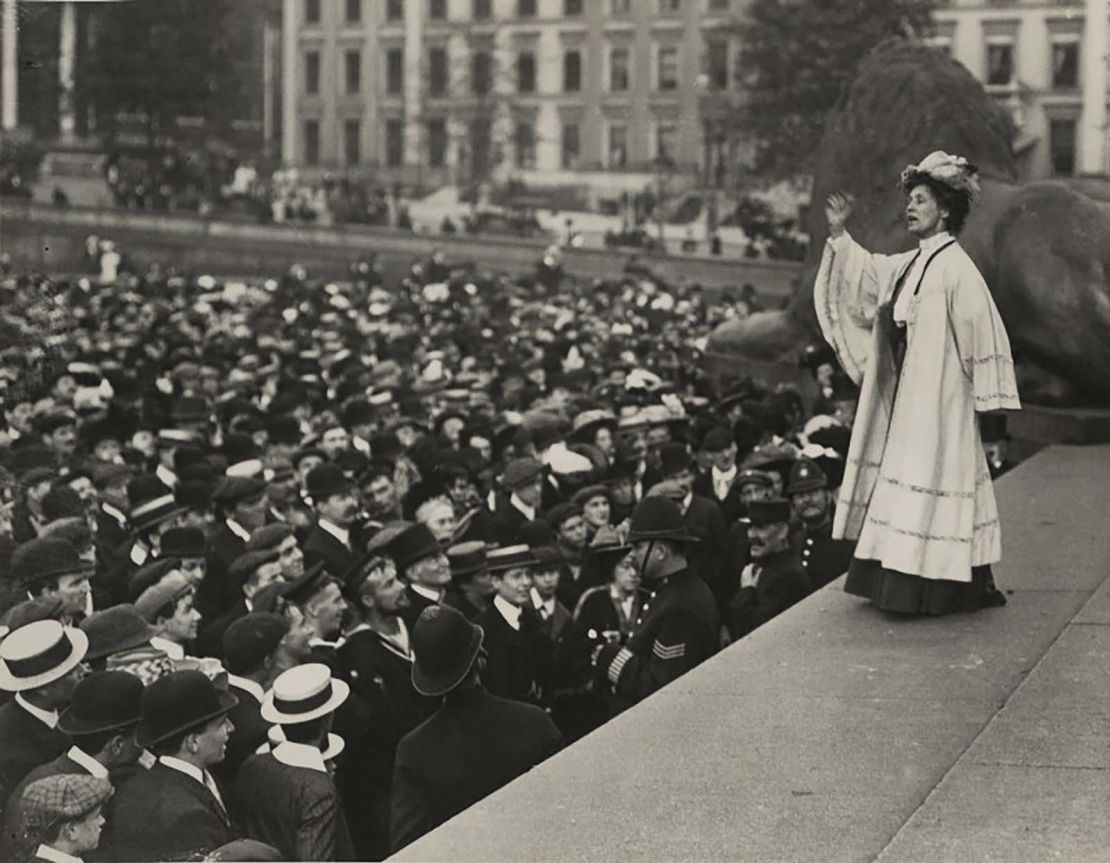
{"points": [[920, 333]]}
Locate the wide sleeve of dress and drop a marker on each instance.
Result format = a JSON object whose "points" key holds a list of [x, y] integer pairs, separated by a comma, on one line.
{"points": [[849, 286], [981, 340]]}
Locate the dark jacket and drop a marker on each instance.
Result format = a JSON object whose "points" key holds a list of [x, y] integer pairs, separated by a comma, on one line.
{"points": [[250, 733], [382, 709], [320, 545], [217, 593], [732, 508], [474, 744], [506, 521], [210, 638], [458, 600], [782, 582], [162, 814], [25, 743], [678, 629], [417, 603], [518, 665], [294, 809], [706, 557], [823, 558]]}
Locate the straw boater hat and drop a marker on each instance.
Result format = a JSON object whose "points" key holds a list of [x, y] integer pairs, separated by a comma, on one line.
{"points": [[276, 737], [302, 694], [40, 653]]}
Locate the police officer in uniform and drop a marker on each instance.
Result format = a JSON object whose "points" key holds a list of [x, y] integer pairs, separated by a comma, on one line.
{"points": [[824, 558], [678, 626], [775, 579]]}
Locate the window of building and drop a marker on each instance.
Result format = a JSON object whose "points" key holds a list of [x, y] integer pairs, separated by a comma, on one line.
{"points": [[571, 145], [437, 142], [311, 11], [1000, 62], [526, 8], [481, 140], [526, 73], [572, 71], [481, 10], [618, 146], [665, 135], [481, 69], [437, 71], [312, 142], [394, 10], [312, 72], [621, 7], [524, 143], [668, 67], [352, 67], [394, 70], [716, 61], [1061, 143], [437, 9], [353, 11], [394, 142], [618, 70], [1065, 64], [572, 7], [670, 5], [352, 142]]}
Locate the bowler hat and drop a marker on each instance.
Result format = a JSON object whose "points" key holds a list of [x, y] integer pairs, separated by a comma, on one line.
{"points": [[674, 457], [658, 519], [561, 513], [302, 694], [325, 480], [39, 653], [44, 558], [182, 542], [510, 557], [762, 513], [467, 559], [152, 502], [30, 610], [444, 647], [415, 543], [805, 475], [178, 702], [251, 638], [103, 701], [717, 439], [116, 629]]}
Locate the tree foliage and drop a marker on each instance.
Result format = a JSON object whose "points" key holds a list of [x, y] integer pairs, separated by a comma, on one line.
{"points": [[162, 59], [798, 58]]}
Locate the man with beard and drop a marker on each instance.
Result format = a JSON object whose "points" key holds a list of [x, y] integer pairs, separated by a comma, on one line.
{"points": [[331, 539], [376, 660], [823, 557], [775, 579]]}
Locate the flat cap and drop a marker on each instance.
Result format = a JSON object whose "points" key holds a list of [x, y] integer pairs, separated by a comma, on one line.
{"points": [[251, 638], [66, 797]]}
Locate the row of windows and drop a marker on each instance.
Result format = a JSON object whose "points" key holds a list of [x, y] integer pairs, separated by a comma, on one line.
{"points": [[481, 70], [1001, 62], [480, 138], [481, 10]]}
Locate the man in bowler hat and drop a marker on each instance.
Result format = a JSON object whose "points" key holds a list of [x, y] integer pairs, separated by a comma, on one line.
{"points": [[174, 810], [334, 537], [678, 626], [474, 744]]}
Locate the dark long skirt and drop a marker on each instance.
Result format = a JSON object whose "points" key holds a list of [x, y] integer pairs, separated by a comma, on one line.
{"points": [[900, 592]]}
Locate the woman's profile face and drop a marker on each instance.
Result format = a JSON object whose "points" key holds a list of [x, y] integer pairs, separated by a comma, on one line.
{"points": [[923, 214]]}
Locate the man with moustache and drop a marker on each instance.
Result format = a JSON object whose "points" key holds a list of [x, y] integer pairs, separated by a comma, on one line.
{"points": [[823, 557], [243, 502], [174, 810], [775, 579], [333, 539], [376, 661]]}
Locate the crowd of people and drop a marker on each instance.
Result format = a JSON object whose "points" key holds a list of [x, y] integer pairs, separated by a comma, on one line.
{"points": [[300, 569]]}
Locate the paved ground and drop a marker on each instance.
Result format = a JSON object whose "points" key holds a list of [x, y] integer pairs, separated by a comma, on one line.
{"points": [[838, 732]]}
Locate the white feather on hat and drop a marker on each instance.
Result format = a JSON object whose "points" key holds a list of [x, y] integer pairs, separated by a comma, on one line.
{"points": [[955, 172]]}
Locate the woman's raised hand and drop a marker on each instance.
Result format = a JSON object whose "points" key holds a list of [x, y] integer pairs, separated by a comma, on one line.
{"points": [[838, 209]]}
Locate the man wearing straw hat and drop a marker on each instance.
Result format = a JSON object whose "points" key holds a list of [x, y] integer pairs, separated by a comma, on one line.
{"points": [[286, 797], [41, 663]]}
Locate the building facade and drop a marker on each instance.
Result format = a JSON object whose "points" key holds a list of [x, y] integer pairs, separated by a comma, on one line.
{"points": [[435, 91], [1046, 63]]}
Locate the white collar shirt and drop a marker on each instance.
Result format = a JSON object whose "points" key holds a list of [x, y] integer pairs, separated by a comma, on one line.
{"points": [[45, 852], [87, 763], [247, 685], [427, 592], [342, 534], [300, 755], [171, 648], [510, 612], [49, 718], [546, 607], [722, 481], [529, 512], [238, 529], [916, 271]]}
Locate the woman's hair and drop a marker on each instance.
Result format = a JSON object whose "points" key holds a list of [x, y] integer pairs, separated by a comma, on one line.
{"points": [[957, 203]]}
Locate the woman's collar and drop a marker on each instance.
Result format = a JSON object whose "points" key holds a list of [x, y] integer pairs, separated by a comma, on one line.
{"points": [[931, 244]]}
